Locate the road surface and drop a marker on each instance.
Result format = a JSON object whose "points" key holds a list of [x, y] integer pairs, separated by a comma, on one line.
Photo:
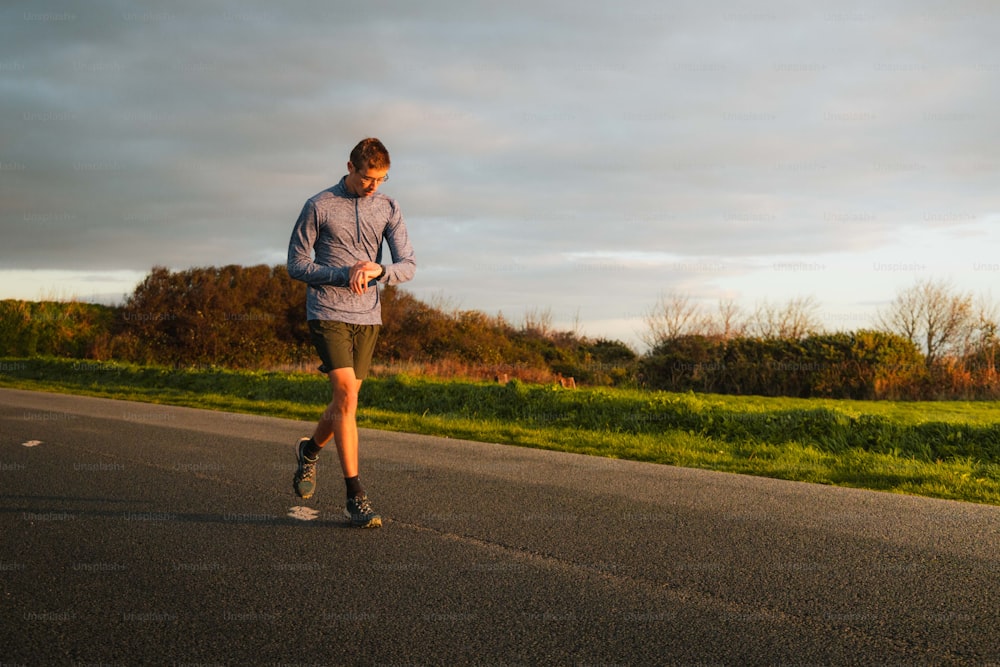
{"points": [[135, 533]]}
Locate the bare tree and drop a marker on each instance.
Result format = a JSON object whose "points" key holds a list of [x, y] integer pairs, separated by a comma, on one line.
{"points": [[984, 333], [730, 322], [793, 321], [934, 317], [538, 322], [904, 315], [673, 316], [576, 324]]}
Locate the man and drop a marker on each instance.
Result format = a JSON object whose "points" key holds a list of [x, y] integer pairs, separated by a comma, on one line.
{"points": [[336, 249]]}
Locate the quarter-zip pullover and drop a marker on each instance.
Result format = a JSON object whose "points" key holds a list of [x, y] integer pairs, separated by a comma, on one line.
{"points": [[334, 231]]}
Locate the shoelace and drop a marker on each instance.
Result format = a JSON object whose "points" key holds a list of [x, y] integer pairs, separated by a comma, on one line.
{"points": [[362, 505], [308, 469]]}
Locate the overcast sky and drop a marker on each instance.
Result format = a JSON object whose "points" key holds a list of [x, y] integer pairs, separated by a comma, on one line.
{"points": [[576, 158]]}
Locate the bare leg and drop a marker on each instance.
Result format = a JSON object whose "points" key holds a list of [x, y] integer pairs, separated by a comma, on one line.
{"points": [[339, 421]]}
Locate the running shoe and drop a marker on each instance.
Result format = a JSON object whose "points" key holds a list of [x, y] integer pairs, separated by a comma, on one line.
{"points": [[305, 477], [359, 511]]}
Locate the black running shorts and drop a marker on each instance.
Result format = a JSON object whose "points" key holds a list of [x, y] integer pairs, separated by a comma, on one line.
{"points": [[342, 345]]}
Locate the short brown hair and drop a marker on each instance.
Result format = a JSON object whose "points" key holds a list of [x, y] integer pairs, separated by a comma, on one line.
{"points": [[370, 153]]}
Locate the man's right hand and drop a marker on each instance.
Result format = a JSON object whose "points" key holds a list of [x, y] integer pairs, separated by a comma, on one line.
{"points": [[361, 274]]}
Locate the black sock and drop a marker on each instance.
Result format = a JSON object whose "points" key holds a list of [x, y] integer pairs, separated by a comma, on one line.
{"points": [[354, 487], [311, 450]]}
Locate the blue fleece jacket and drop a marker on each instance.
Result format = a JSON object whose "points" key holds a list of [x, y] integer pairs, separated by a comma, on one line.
{"points": [[334, 231]]}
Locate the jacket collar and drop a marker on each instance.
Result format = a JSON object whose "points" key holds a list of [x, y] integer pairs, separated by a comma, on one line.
{"points": [[340, 189]]}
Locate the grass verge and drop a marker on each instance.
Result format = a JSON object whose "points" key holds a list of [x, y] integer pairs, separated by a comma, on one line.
{"points": [[938, 449]]}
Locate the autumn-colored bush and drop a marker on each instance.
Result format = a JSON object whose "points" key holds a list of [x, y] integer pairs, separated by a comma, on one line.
{"points": [[233, 316], [49, 328]]}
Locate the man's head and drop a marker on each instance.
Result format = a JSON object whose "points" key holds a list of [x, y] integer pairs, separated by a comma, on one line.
{"points": [[368, 167]]}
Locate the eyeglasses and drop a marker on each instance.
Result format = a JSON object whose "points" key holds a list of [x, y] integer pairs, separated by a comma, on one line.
{"points": [[373, 181], [365, 180]]}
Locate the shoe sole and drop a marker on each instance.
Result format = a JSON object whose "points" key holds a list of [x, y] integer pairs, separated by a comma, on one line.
{"points": [[374, 522]]}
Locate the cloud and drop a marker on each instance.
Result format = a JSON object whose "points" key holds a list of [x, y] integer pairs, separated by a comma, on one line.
{"points": [[535, 145]]}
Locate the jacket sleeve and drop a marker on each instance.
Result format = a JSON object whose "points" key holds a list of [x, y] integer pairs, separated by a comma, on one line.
{"points": [[404, 263], [300, 253]]}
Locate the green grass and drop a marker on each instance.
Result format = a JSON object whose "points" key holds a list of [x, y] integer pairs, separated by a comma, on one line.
{"points": [[937, 449]]}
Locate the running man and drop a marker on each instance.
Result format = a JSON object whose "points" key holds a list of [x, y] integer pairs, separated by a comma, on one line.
{"points": [[336, 249]]}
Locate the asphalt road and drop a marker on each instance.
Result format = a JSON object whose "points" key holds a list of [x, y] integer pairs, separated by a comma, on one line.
{"points": [[135, 533]]}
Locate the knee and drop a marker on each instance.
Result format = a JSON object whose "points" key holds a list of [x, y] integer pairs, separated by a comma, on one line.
{"points": [[345, 390], [345, 398]]}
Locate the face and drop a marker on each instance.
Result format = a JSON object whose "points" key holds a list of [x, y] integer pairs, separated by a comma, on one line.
{"points": [[364, 182]]}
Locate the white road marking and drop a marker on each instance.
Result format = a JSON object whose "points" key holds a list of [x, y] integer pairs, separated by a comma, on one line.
{"points": [[303, 513]]}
